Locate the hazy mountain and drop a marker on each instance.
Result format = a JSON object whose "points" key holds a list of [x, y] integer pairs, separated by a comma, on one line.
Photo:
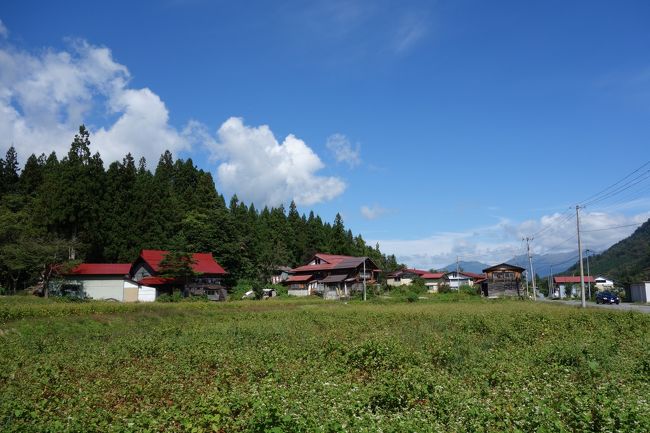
{"points": [[542, 263], [474, 267], [627, 261]]}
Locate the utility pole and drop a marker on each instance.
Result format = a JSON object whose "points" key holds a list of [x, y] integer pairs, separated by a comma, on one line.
{"points": [[582, 271], [364, 278], [530, 262], [458, 273], [587, 251], [551, 289]]}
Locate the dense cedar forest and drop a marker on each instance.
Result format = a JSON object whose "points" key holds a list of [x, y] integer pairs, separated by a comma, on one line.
{"points": [[626, 262], [55, 209]]}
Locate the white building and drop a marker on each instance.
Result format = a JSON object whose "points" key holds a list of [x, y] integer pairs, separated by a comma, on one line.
{"points": [[107, 281], [603, 283]]}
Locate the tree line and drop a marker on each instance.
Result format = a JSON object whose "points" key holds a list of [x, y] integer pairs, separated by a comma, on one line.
{"points": [[55, 210]]}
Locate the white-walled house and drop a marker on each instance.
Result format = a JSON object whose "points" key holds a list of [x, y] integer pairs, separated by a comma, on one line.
{"points": [[603, 283], [433, 281], [404, 277]]}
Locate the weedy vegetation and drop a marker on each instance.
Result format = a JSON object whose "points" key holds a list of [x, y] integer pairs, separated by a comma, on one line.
{"points": [[305, 365]]}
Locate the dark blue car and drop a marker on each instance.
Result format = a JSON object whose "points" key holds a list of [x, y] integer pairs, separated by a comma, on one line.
{"points": [[607, 298]]}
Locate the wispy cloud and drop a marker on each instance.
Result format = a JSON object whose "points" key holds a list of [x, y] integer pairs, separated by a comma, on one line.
{"points": [[343, 150], [359, 29], [411, 29], [373, 212], [4, 32]]}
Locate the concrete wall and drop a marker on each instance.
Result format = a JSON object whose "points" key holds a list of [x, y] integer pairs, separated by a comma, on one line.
{"points": [[298, 292]]}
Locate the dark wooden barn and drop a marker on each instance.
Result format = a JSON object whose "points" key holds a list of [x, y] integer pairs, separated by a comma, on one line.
{"points": [[502, 280]]}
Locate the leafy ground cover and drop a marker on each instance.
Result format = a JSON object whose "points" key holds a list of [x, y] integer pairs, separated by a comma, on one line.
{"points": [[314, 366]]}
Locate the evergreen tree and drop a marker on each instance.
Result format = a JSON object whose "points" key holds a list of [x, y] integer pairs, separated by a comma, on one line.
{"points": [[9, 169]]}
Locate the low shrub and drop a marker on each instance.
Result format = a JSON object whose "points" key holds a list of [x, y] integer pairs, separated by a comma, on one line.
{"points": [[174, 297], [412, 297]]}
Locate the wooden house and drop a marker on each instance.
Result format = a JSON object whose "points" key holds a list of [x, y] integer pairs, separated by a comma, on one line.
{"points": [[502, 280], [332, 276], [208, 282]]}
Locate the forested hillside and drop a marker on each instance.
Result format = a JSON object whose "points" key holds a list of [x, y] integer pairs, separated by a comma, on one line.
{"points": [[625, 262], [52, 207]]}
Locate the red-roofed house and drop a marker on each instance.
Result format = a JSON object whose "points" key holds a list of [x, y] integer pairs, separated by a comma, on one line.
{"points": [[404, 277], [569, 285], [140, 280], [332, 276], [146, 268], [433, 280]]}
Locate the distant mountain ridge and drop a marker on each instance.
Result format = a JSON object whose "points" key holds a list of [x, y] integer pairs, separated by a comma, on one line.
{"points": [[544, 264], [627, 261], [471, 266]]}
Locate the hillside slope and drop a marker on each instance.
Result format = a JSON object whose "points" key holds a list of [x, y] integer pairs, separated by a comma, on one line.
{"points": [[627, 261]]}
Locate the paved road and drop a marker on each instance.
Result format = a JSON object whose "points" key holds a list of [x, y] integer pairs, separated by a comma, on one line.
{"points": [[620, 307]]}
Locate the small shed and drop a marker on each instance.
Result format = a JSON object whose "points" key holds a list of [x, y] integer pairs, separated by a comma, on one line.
{"points": [[502, 280], [640, 292]]}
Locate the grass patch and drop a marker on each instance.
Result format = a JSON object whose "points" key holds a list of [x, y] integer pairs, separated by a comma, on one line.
{"points": [[307, 365]]}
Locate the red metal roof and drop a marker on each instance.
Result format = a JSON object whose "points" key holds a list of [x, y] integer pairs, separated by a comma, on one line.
{"points": [[295, 278], [156, 281], [332, 258], [432, 275], [572, 279], [310, 268], [100, 269], [474, 276], [204, 263], [399, 272], [333, 262]]}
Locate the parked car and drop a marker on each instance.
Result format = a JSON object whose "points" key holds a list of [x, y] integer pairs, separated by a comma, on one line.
{"points": [[607, 298]]}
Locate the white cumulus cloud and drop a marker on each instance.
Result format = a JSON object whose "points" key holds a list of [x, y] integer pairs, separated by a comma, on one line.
{"points": [[556, 233], [45, 96], [259, 169], [343, 150]]}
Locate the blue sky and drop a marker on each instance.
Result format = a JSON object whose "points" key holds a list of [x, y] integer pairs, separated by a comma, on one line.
{"points": [[435, 128]]}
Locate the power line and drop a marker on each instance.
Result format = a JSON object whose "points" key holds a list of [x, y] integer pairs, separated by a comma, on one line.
{"points": [[640, 178], [567, 216], [611, 228], [606, 190]]}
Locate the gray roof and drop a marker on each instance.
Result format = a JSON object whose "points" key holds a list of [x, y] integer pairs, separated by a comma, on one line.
{"points": [[334, 278]]}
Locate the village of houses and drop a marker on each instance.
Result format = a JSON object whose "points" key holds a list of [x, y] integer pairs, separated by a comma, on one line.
{"points": [[329, 276]]}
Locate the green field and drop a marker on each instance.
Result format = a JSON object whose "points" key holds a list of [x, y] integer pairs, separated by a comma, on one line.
{"points": [[314, 366]]}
